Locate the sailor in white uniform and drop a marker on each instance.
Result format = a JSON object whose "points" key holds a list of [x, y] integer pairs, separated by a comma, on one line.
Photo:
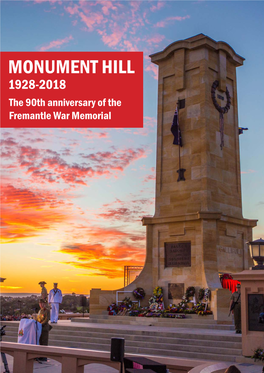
{"points": [[55, 298]]}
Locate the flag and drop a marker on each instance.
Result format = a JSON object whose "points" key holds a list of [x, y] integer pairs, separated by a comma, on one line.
{"points": [[175, 129]]}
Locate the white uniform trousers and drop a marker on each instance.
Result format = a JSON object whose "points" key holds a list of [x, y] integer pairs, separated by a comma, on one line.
{"points": [[54, 312]]}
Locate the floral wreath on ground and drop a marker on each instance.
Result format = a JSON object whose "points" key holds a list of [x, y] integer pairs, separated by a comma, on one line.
{"points": [[190, 292], [204, 294], [158, 294], [112, 309], [139, 293], [258, 354]]}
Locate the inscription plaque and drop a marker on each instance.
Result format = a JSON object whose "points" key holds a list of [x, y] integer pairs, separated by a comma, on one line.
{"points": [[255, 307], [175, 291], [177, 254]]}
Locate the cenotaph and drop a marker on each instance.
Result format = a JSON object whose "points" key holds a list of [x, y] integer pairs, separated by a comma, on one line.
{"points": [[198, 230]]}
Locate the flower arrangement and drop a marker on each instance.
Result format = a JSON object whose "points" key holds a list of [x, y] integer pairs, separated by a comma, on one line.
{"points": [[152, 300], [139, 293], [112, 309], [258, 354], [156, 305], [126, 303], [207, 293], [190, 292], [201, 294], [157, 291], [183, 304], [157, 296]]}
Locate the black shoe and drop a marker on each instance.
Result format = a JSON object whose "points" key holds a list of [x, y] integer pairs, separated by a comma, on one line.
{"points": [[237, 331], [38, 359]]}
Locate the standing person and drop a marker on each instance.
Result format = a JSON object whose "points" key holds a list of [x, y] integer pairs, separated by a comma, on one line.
{"points": [[43, 318], [55, 298], [44, 292], [235, 308]]}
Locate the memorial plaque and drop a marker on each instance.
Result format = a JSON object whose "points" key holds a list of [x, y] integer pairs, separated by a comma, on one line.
{"points": [[255, 308], [175, 291], [177, 254]]}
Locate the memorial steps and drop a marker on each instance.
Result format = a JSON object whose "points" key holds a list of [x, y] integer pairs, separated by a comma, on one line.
{"points": [[191, 321], [202, 344]]}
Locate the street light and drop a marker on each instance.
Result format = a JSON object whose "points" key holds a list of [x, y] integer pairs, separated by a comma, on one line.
{"points": [[256, 249]]}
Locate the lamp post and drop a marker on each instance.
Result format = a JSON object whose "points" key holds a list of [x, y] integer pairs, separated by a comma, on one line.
{"points": [[256, 249]]}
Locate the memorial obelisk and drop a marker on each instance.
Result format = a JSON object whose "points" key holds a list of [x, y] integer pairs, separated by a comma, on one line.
{"points": [[198, 230]]}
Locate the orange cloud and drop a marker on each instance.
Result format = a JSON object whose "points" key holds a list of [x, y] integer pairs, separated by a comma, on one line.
{"points": [[101, 260], [27, 214]]}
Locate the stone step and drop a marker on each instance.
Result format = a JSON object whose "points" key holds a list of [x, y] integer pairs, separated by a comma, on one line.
{"points": [[113, 319], [191, 321], [181, 345], [129, 333], [105, 338], [159, 335], [154, 348], [180, 333], [152, 352], [178, 325]]}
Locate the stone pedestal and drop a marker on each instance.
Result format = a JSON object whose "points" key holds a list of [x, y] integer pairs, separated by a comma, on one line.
{"points": [[252, 303]]}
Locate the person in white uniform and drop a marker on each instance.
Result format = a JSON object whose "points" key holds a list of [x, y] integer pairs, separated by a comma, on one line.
{"points": [[55, 298]]}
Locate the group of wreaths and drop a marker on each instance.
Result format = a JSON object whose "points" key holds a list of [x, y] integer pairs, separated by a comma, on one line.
{"points": [[203, 294], [200, 308], [156, 305]]}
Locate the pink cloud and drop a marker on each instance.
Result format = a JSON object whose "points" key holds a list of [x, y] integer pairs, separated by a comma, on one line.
{"points": [[149, 126], [49, 166], [248, 172], [153, 68], [160, 4], [168, 20], [56, 43], [127, 211], [155, 39]]}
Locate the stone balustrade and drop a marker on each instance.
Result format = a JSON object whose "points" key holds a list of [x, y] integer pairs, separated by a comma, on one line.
{"points": [[72, 360]]}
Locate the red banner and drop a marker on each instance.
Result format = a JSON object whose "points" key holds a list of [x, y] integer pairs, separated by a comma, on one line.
{"points": [[72, 89]]}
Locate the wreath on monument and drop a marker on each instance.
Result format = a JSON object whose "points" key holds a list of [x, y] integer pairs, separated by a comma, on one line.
{"points": [[190, 292], [139, 293], [221, 109], [207, 294], [201, 294]]}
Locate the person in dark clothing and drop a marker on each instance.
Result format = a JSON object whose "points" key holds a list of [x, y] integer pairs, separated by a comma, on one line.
{"points": [[43, 318], [236, 301], [232, 369]]}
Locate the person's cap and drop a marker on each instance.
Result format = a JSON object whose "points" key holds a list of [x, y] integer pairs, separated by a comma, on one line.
{"points": [[42, 282], [55, 283]]}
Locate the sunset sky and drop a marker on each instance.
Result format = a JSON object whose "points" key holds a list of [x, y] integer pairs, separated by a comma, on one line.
{"points": [[73, 199]]}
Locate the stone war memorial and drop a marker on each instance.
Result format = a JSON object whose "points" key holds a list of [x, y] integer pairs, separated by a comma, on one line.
{"points": [[198, 231]]}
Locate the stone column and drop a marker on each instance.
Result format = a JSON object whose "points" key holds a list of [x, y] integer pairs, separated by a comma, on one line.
{"points": [[252, 303]]}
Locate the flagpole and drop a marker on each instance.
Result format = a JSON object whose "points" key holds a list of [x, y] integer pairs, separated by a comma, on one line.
{"points": [[179, 136]]}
